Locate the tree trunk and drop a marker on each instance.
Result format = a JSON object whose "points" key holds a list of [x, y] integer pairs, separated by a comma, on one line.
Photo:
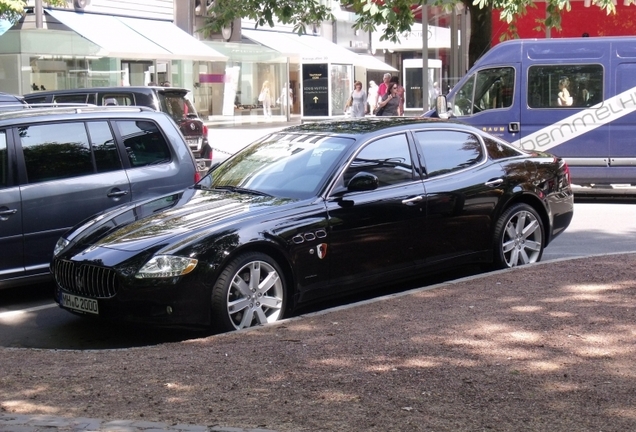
{"points": [[481, 31]]}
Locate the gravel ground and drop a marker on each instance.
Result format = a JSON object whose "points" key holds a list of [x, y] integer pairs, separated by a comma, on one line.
{"points": [[547, 347]]}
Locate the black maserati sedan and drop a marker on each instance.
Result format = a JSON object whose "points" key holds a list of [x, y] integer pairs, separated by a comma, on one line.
{"points": [[315, 211]]}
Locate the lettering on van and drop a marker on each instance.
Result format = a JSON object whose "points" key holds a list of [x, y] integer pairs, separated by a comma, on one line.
{"points": [[582, 122]]}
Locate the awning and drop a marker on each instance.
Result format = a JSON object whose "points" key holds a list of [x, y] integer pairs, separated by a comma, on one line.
{"points": [[136, 38], [312, 49], [373, 63], [172, 38]]}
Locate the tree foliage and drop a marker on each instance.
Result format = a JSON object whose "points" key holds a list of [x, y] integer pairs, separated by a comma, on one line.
{"points": [[12, 10], [299, 13]]}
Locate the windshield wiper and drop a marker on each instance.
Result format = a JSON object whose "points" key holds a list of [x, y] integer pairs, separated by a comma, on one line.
{"points": [[242, 190]]}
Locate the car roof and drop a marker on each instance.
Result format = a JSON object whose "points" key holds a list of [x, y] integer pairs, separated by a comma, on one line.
{"points": [[366, 125], [10, 98], [72, 111]]}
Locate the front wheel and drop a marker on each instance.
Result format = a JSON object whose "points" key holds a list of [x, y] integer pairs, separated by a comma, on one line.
{"points": [[519, 237], [250, 291]]}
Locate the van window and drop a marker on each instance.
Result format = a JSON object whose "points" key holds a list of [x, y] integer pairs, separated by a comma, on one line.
{"points": [[56, 151], [485, 90], [144, 143], [447, 151], [177, 106], [582, 83]]}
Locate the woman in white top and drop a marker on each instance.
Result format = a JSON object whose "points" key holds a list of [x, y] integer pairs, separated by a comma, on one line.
{"points": [[564, 98]]}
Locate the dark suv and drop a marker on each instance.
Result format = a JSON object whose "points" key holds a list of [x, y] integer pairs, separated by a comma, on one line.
{"points": [[171, 100], [58, 166]]}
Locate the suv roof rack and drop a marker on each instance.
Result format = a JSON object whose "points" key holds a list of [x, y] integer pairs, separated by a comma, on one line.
{"points": [[51, 108]]}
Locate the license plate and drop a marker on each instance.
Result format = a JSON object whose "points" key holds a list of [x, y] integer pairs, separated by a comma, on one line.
{"points": [[80, 304], [193, 142]]}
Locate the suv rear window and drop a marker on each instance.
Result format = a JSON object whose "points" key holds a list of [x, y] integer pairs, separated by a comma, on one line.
{"points": [[177, 106]]}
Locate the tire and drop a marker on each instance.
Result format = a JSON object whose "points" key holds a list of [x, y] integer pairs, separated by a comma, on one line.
{"points": [[519, 237], [250, 291]]}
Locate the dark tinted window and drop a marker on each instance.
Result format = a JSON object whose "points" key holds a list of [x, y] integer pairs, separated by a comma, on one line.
{"points": [[144, 143], [388, 159], [448, 151], [56, 151], [4, 161], [583, 85], [104, 148], [73, 98], [499, 150]]}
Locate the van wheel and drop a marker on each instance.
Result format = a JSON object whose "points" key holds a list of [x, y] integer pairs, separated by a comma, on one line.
{"points": [[250, 291], [519, 237]]}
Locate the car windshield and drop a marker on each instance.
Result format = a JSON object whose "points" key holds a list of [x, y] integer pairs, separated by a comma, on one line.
{"points": [[283, 165]]}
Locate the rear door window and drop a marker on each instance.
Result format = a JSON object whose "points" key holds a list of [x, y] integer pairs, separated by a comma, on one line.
{"points": [[445, 152], [117, 99], [145, 145]]}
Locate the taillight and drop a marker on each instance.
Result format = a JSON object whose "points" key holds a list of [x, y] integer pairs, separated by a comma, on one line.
{"points": [[566, 173], [197, 177], [205, 130]]}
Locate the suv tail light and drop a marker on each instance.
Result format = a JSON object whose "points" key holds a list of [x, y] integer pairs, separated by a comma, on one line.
{"points": [[205, 130], [197, 177]]}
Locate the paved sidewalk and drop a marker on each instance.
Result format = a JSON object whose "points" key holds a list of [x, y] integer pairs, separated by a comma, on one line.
{"points": [[38, 423]]}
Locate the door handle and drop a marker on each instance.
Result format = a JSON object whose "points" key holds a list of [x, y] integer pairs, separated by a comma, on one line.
{"points": [[412, 200], [117, 194], [494, 183], [514, 127], [8, 212]]}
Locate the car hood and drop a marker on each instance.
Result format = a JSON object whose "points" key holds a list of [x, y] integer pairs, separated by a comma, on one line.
{"points": [[141, 226]]}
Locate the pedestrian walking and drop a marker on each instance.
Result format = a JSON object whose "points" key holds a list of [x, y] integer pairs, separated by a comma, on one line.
{"points": [[359, 101]]}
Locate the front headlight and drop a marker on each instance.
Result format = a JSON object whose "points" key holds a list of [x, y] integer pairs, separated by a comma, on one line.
{"points": [[163, 266], [59, 246]]}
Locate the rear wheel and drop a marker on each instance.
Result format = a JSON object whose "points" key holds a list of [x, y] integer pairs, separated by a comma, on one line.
{"points": [[519, 237], [250, 291]]}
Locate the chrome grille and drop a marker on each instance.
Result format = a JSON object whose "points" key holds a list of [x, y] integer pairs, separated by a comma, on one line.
{"points": [[85, 279]]}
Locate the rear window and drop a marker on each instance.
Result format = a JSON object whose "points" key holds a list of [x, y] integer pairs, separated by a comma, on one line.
{"points": [[145, 145], [177, 106]]}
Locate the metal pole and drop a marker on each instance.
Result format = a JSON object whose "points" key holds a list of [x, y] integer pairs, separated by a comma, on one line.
{"points": [[286, 93], [39, 14], [425, 98]]}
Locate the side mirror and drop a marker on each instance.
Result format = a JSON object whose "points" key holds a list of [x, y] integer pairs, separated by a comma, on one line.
{"points": [[363, 181], [441, 105]]}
